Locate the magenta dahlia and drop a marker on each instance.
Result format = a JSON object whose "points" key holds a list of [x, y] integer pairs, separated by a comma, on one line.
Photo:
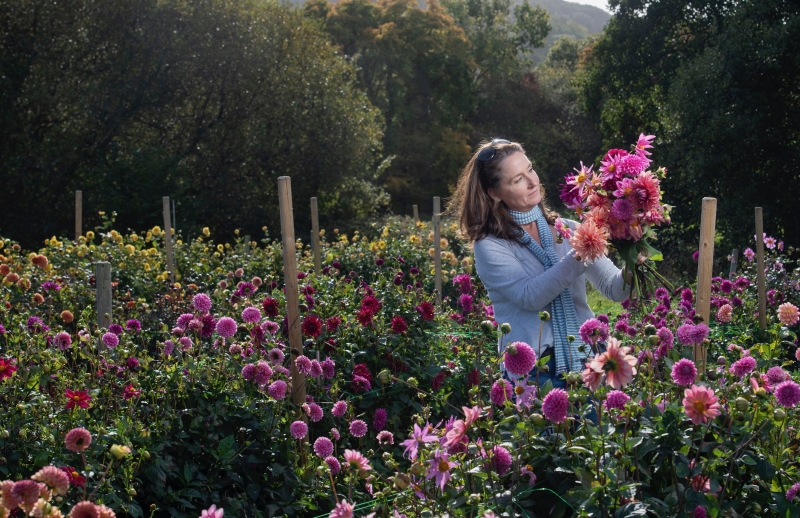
{"points": [[519, 358]]}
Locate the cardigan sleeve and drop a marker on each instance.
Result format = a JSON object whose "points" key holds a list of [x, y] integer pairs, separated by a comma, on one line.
{"points": [[604, 275], [502, 273]]}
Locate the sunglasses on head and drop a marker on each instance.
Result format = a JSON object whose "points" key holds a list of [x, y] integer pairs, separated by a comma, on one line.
{"points": [[488, 153]]}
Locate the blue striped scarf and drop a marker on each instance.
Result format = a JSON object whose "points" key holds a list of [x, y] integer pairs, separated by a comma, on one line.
{"points": [[564, 318]]}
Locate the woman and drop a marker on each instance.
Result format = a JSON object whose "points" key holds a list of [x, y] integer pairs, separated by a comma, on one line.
{"points": [[502, 210]]}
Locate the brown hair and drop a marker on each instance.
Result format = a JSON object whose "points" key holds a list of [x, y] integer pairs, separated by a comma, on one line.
{"points": [[478, 214]]}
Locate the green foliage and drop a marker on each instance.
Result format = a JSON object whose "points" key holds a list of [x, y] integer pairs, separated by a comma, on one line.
{"points": [[712, 79], [207, 101]]}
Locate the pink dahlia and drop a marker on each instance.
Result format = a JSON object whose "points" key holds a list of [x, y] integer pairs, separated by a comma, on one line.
{"points": [[788, 394], [700, 404], [303, 364], [343, 509], [311, 326], [323, 447], [792, 492], [616, 399], [339, 408], [78, 439], [298, 429], [333, 465], [618, 366], [501, 392], [275, 356], [622, 210], [519, 358], [555, 404], [684, 372], [202, 303], [212, 512], [263, 373], [379, 421], [743, 366], [593, 331], [643, 144], [328, 368], [316, 369], [251, 315], [62, 340], [314, 412], [725, 313], [27, 492], [55, 479], [776, 375], [501, 460], [589, 241], [439, 469], [358, 428], [226, 327], [110, 340], [788, 314], [249, 371], [277, 389], [385, 437], [356, 460], [591, 378]]}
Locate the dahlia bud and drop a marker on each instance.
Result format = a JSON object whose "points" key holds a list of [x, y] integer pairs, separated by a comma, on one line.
{"points": [[505, 328], [487, 326], [779, 414], [538, 420], [384, 376], [721, 360], [544, 316], [742, 404], [401, 481], [653, 339], [649, 330]]}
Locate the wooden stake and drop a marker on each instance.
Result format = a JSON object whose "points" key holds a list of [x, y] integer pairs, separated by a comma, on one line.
{"points": [[315, 245], [290, 276], [416, 213], [734, 261], [78, 214], [247, 245], [705, 267], [437, 248], [762, 296], [168, 240], [102, 278]]}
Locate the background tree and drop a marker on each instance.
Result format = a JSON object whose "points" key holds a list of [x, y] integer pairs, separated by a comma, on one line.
{"points": [[714, 80], [208, 102]]}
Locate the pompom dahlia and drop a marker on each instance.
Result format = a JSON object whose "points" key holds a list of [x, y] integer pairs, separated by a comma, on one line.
{"points": [[298, 429], [684, 372], [519, 358], [501, 392], [555, 405], [788, 394], [788, 314], [323, 447], [616, 399]]}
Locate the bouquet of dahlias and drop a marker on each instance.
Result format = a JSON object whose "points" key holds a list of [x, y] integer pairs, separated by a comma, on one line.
{"points": [[618, 206]]}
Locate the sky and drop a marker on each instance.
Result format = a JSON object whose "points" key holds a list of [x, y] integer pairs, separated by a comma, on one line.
{"points": [[602, 4]]}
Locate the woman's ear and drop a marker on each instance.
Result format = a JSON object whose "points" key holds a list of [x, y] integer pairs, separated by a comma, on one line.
{"points": [[493, 195]]}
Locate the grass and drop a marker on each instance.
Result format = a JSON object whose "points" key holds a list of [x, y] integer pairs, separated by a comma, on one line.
{"points": [[600, 304]]}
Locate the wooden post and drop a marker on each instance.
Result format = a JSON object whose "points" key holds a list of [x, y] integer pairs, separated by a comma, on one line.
{"points": [[762, 296], [437, 249], [168, 240], [292, 296], [102, 278], [247, 245], [734, 261], [174, 221], [705, 266], [315, 245], [416, 213], [78, 214]]}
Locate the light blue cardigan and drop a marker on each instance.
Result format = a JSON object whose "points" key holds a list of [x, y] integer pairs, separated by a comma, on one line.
{"points": [[520, 287]]}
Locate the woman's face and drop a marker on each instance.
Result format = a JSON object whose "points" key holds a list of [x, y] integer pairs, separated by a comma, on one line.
{"points": [[519, 184]]}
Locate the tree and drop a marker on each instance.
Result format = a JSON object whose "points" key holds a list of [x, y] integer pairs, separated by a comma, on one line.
{"points": [[713, 79], [206, 101]]}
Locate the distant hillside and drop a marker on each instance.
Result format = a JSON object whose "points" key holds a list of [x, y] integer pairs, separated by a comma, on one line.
{"points": [[569, 19]]}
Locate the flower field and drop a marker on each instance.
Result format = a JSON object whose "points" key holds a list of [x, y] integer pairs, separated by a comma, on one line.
{"points": [[183, 406]]}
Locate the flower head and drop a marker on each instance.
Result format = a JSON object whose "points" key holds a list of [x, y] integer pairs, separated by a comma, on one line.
{"points": [[616, 399], [519, 358], [379, 420], [792, 492], [418, 437], [226, 327], [589, 241], [700, 404], [399, 325], [618, 366], [788, 394], [54, 478], [358, 428], [212, 512], [743, 366], [79, 398], [725, 313], [251, 315], [684, 372], [323, 447], [501, 392], [426, 310], [593, 331], [501, 460], [110, 340], [85, 509], [311, 326], [356, 460], [202, 303], [439, 469], [524, 393], [277, 389], [788, 314], [385, 437], [298, 429], [555, 404], [333, 464], [78, 439]]}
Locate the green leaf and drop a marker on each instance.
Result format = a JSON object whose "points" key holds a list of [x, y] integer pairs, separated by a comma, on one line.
{"points": [[225, 445], [187, 472], [747, 459]]}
